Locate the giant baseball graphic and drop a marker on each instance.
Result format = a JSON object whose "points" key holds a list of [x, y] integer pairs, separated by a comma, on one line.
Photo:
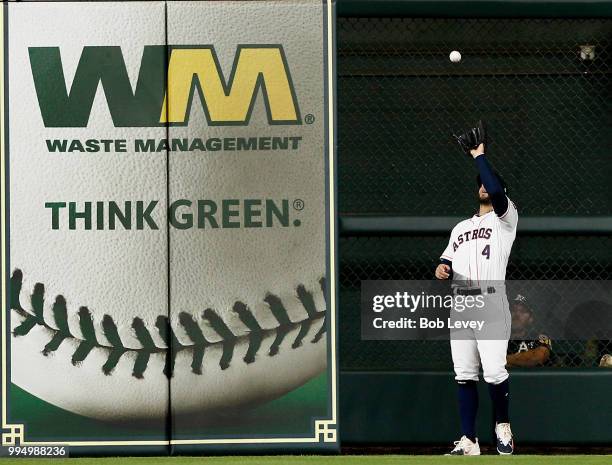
{"points": [[167, 205]]}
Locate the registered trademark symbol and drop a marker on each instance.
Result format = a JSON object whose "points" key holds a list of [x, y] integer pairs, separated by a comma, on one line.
{"points": [[298, 204], [309, 118]]}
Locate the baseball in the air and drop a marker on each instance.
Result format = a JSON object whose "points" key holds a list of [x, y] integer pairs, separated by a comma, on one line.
{"points": [[455, 56]]}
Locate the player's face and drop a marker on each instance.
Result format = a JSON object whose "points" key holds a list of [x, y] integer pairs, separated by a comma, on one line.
{"points": [[483, 195]]}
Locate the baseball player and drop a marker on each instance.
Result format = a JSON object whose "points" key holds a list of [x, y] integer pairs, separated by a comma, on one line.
{"points": [[476, 255]]}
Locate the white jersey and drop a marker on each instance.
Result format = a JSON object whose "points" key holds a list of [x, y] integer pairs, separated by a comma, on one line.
{"points": [[479, 247]]}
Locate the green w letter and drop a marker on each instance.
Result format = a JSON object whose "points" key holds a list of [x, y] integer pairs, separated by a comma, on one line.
{"points": [[61, 108]]}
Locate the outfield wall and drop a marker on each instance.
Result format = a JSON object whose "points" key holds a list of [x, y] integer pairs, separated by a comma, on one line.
{"points": [[557, 407]]}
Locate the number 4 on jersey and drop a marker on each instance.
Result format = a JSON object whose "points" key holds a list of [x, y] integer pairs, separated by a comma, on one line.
{"points": [[487, 251]]}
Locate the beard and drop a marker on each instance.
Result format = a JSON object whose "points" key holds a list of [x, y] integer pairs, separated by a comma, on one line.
{"points": [[483, 201]]}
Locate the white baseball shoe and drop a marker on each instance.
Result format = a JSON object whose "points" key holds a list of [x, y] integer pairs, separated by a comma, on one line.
{"points": [[465, 446], [505, 442]]}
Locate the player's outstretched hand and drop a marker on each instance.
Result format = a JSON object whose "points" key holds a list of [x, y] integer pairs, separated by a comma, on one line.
{"points": [[477, 151], [473, 141], [443, 271]]}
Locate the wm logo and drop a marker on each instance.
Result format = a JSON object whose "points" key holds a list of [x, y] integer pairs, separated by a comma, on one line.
{"points": [[170, 80]]}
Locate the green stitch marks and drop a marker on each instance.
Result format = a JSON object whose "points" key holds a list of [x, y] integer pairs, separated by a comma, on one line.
{"points": [[148, 347], [308, 303], [15, 289], [116, 349], [37, 301], [165, 330], [228, 338], [200, 343], [60, 314], [323, 327], [255, 331], [89, 336], [281, 315]]}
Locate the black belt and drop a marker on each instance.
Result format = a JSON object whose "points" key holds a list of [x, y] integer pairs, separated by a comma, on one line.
{"points": [[474, 291]]}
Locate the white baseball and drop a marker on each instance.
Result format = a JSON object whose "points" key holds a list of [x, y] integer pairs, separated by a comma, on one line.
{"points": [[455, 56], [232, 292]]}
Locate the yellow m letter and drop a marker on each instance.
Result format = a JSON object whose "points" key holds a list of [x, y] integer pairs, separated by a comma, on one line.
{"points": [[230, 103]]}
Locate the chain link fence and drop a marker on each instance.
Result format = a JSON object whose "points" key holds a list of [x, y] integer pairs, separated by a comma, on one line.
{"points": [[549, 113], [544, 86]]}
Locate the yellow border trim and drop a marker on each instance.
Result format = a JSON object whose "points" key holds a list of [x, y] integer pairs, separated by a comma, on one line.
{"points": [[3, 224], [324, 430], [12, 434], [332, 202]]}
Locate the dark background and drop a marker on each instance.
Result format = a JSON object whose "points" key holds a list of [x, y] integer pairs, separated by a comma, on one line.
{"points": [[549, 115]]}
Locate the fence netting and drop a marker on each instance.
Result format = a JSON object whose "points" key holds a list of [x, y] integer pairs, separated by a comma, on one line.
{"points": [[544, 88]]}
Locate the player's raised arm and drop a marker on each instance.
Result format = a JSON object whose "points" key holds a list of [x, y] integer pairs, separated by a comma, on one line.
{"points": [[490, 181], [473, 143]]}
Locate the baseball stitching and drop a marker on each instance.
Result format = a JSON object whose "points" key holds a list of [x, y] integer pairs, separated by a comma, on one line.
{"points": [[163, 327]]}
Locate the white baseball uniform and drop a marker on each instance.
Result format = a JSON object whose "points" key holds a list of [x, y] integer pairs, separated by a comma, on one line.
{"points": [[479, 248]]}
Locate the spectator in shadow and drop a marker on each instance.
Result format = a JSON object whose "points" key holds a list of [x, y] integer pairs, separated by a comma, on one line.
{"points": [[591, 321], [527, 347]]}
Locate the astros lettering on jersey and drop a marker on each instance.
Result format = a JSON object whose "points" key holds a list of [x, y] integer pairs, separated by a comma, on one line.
{"points": [[479, 247]]}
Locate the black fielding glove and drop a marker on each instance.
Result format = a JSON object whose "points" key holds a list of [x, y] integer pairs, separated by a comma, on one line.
{"points": [[472, 138]]}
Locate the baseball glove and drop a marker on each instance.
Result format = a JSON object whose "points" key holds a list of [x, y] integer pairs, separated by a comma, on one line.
{"points": [[471, 139]]}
